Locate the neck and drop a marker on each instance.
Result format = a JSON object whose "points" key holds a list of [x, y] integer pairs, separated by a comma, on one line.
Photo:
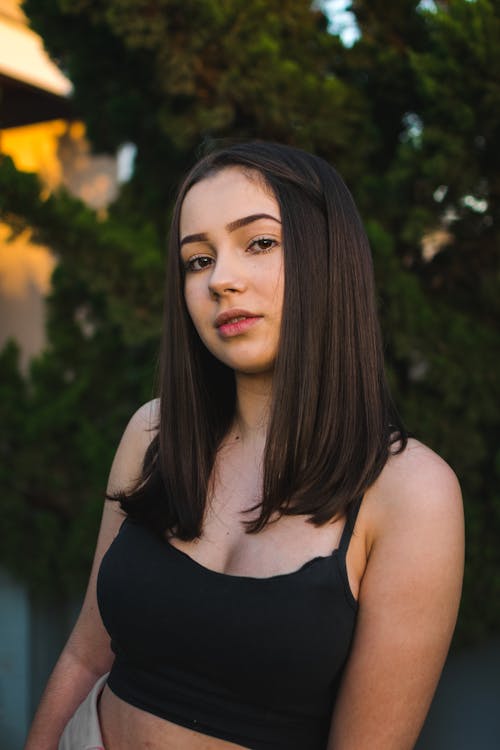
{"points": [[253, 401]]}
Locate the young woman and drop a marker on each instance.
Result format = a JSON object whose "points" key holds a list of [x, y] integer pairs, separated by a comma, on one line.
{"points": [[289, 570]]}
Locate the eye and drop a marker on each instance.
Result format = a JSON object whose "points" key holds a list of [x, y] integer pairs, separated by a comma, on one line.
{"points": [[198, 263], [262, 244]]}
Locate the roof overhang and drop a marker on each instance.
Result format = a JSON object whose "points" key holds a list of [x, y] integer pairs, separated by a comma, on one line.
{"points": [[21, 104], [23, 58]]}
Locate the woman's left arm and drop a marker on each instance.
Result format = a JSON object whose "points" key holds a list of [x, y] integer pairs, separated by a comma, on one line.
{"points": [[408, 605]]}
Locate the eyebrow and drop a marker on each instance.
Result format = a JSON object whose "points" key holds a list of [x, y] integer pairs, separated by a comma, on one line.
{"points": [[231, 227]]}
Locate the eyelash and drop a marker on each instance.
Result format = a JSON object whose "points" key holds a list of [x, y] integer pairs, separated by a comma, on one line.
{"points": [[189, 264], [274, 243]]}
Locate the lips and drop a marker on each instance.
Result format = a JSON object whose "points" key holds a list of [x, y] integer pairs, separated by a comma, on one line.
{"points": [[235, 315], [235, 322]]}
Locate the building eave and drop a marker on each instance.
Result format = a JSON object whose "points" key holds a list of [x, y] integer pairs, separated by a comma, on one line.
{"points": [[24, 59]]}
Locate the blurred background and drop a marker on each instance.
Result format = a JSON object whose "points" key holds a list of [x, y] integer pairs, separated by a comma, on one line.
{"points": [[103, 106]]}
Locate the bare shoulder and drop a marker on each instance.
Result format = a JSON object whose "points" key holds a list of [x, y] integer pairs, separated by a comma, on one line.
{"points": [[140, 431], [417, 491], [144, 422], [411, 522]]}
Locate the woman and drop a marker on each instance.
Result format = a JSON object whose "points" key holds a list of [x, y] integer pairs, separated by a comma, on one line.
{"points": [[289, 572]]}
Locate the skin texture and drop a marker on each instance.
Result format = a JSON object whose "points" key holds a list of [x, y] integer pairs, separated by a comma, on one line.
{"points": [[405, 559], [234, 266], [411, 524]]}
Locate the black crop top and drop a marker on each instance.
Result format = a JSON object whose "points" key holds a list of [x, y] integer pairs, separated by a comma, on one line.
{"points": [[256, 661]]}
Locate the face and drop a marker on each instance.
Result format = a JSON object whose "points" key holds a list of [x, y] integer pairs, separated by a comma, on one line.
{"points": [[231, 250]]}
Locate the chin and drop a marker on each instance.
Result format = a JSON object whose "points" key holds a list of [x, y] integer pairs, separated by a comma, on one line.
{"points": [[244, 359], [252, 368]]}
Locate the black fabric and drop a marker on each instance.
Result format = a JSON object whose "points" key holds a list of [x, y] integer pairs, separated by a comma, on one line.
{"points": [[256, 661]]}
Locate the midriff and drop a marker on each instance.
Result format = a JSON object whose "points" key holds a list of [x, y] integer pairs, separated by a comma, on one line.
{"points": [[125, 727]]}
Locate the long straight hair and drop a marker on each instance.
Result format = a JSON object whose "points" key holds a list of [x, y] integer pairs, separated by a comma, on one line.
{"points": [[332, 421]]}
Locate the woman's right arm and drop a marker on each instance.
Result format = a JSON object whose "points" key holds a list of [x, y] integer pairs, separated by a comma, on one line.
{"points": [[87, 654]]}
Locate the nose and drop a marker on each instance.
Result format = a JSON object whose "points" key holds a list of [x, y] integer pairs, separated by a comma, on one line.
{"points": [[226, 276]]}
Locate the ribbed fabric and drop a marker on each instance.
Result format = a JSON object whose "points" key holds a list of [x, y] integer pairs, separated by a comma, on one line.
{"points": [[256, 661]]}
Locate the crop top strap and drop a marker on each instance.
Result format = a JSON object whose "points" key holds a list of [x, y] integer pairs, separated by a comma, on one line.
{"points": [[352, 514]]}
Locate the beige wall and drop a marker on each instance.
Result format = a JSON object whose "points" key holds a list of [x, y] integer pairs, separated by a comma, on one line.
{"points": [[59, 152], [25, 271], [11, 9]]}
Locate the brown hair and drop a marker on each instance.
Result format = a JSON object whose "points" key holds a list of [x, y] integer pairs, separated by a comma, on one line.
{"points": [[332, 421]]}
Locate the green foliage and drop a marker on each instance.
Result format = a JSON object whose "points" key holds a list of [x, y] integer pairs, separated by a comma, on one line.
{"points": [[63, 421], [459, 80], [121, 261], [410, 115], [169, 73], [440, 314]]}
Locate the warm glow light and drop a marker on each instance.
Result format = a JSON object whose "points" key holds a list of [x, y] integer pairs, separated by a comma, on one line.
{"points": [[22, 55], [60, 154], [23, 265], [34, 148]]}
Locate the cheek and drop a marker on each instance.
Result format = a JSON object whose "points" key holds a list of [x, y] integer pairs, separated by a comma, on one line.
{"points": [[194, 301], [198, 307], [276, 290]]}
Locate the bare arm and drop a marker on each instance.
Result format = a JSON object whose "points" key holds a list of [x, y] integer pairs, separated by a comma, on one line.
{"points": [[408, 605], [87, 653]]}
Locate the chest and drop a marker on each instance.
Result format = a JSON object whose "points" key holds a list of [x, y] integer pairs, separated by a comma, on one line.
{"points": [[284, 545], [283, 638]]}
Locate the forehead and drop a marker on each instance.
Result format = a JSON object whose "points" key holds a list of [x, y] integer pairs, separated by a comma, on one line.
{"points": [[225, 196]]}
